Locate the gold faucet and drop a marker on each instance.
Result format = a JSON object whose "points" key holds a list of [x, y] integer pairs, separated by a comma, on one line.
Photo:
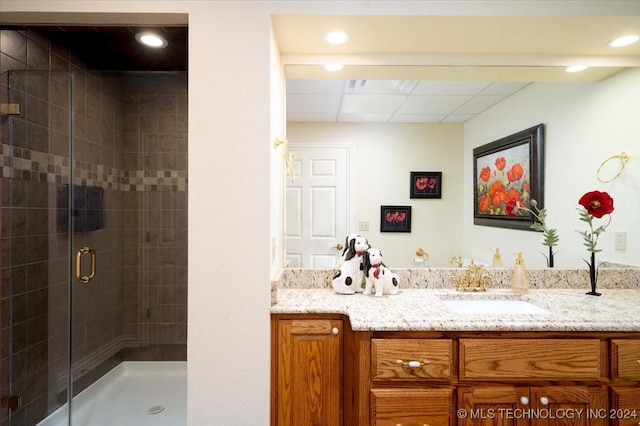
{"points": [[474, 279], [456, 261]]}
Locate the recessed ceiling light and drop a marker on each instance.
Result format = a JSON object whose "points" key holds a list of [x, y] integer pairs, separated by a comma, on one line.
{"points": [[336, 37], [576, 68], [151, 39], [625, 40], [333, 67]]}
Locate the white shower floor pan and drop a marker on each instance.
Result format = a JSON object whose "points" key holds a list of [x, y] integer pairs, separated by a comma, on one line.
{"points": [[135, 393]]}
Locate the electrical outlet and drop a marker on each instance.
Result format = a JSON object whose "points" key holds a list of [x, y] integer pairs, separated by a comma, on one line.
{"points": [[621, 240], [363, 225]]}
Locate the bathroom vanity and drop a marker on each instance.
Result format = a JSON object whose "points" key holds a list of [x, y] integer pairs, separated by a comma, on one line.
{"points": [[417, 359]]}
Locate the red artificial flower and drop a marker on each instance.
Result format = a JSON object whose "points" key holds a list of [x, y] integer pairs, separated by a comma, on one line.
{"points": [[400, 217], [390, 217], [485, 174], [597, 203], [500, 163]]}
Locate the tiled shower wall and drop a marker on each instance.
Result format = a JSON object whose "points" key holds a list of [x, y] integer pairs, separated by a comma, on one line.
{"points": [[130, 139]]}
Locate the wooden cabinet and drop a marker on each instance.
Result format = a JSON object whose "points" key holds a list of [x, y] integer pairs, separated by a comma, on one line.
{"points": [[625, 406], [412, 407], [308, 363], [325, 374], [625, 387], [423, 362], [530, 359], [535, 406], [411, 359], [625, 359]]}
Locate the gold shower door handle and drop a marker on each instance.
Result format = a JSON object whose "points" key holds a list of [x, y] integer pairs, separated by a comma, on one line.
{"points": [[85, 278]]}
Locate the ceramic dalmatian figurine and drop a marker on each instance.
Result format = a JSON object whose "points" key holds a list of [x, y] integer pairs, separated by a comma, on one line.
{"points": [[377, 276], [349, 276]]}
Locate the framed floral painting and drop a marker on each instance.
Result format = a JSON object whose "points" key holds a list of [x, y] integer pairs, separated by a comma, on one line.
{"points": [[507, 171], [395, 219], [426, 185]]}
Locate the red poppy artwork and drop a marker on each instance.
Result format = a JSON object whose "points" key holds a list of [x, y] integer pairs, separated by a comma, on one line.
{"points": [[395, 219], [426, 185], [508, 172]]}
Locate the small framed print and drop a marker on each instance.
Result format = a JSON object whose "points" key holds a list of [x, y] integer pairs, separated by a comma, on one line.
{"points": [[426, 185], [395, 219]]}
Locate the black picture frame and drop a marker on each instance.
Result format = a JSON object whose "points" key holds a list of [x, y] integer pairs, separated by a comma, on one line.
{"points": [[395, 218], [425, 185], [508, 168]]}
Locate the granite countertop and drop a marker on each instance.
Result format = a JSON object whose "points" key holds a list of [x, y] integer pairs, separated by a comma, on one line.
{"points": [[426, 310]]}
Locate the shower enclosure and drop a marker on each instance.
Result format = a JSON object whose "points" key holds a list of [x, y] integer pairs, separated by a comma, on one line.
{"points": [[94, 225]]}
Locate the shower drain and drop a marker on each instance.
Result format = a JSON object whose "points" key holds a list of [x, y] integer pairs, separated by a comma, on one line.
{"points": [[155, 409]]}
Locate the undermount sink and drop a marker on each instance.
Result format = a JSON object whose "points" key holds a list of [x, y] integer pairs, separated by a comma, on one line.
{"points": [[475, 303]]}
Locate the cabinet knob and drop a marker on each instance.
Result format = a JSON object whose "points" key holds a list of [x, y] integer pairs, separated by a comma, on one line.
{"points": [[524, 400], [544, 400], [335, 330], [412, 364]]}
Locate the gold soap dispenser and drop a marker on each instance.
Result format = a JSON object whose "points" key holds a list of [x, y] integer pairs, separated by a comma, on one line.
{"points": [[497, 258], [519, 279]]}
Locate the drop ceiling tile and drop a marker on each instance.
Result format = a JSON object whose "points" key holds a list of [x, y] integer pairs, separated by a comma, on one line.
{"points": [[371, 104], [310, 87], [458, 118], [440, 88], [478, 104], [417, 118], [432, 104], [310, 117], [504, 88], [384, 87], [325, 104], [364, 118]]}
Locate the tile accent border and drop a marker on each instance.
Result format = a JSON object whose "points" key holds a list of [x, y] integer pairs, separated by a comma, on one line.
{"points": [[25, 164]]}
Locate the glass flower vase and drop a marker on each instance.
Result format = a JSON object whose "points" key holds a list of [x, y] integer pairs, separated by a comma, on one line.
{"points": [[593, 276]]}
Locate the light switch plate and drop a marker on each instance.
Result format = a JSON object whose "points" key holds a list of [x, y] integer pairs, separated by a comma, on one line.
{"points": [[363, 225]]}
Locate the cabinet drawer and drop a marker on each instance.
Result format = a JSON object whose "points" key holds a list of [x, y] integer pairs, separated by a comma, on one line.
{"points": [[625, 362], [625, 406], [412, 407], [532, 359], [411, 359]]}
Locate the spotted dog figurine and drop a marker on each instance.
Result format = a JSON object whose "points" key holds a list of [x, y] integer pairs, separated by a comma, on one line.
{"points": [[377, 276]]}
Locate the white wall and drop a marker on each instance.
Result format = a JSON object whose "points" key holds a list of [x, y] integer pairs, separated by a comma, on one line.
{"points": [[585, 124], [383, 157]]}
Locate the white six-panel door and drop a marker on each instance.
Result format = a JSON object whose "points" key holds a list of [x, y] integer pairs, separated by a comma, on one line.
{"points": [[317, 206]]}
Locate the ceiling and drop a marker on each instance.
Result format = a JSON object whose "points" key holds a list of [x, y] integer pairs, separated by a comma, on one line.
{"points": [[109, 48], [431, 69], [396, 68]]}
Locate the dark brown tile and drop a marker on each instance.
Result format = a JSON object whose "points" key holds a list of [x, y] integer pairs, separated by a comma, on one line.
{"points": [[14, 44], [37, 221]]}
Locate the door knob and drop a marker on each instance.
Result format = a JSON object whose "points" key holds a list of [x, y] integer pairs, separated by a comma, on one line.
{"points": [[544, 400], [524, 400], [338, 246]]}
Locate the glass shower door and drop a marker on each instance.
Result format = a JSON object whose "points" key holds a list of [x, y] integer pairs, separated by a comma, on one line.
{"points": [[36, 261]]}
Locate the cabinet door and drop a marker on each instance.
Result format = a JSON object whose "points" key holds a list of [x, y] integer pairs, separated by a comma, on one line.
{"points": [[412, 407], [309, 389], [568, 405], [493, 406], [625, 406]]}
